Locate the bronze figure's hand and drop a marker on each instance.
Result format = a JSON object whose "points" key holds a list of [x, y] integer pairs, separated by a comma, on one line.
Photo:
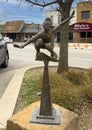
{"points": [[18, 46], [72, 15]]}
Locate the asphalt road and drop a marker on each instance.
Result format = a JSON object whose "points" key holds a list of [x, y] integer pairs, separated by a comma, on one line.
{"points": [[80, 58], [20, 58]]}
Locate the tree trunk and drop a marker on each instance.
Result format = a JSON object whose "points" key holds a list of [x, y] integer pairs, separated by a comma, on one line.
{"points": [[63, 54], [64, 35]]}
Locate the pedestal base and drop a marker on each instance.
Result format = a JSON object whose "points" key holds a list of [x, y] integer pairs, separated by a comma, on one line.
{"points": [[55, 119], [21, 120]]}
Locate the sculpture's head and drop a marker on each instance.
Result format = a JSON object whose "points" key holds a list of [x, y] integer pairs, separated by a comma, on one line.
{"points": [[47, 24]]}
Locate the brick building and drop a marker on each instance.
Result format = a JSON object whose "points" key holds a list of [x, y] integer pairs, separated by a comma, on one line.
{"points": [[82, 29]]}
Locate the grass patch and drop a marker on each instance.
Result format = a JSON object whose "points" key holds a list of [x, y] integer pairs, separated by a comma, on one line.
{"points": [[29, 89], [69, 90]]}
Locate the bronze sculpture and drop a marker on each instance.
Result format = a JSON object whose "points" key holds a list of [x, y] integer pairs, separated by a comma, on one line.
{"points": [[46, 113], [45, 39]]}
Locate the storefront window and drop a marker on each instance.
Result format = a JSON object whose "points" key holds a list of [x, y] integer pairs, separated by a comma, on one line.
{"points": [[89, 34], [86, 37], [85, 14], [70, 36], [83, 34], [89, 37]]}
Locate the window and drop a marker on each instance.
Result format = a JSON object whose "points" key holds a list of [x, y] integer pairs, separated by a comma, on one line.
{"points": [[89, 34], [58, 37], [51, 17], [86, 34], [85, 14], [59, 19], [86, 37], [70, 36], [83, 34]]}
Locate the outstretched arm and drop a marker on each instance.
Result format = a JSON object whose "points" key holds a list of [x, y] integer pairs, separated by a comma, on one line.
{"points": [[29, 41], [55, 29]]}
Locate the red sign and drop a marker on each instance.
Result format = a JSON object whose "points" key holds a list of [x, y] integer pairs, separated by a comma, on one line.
{"points": [[81, 27]]}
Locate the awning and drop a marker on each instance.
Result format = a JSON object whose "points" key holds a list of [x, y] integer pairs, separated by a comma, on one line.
{"points": [[81, 27]]}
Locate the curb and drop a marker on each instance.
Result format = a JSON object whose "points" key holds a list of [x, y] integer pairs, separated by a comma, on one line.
{"points": [[9, 98]]}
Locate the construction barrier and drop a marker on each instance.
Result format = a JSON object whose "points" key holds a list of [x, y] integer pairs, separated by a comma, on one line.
{"points": [[80, 45]]}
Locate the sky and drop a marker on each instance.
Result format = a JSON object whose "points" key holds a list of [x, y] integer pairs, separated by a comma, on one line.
{"points": [[13, 10]]}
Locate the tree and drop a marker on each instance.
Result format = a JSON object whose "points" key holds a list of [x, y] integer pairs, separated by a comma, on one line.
{"points": [[64, 7]]}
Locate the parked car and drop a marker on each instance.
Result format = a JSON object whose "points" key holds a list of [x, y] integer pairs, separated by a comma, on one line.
{"points": [[4, 53], [8, 40]]}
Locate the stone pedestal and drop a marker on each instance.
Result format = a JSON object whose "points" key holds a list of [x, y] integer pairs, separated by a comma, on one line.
{"points": [[21, 120]]}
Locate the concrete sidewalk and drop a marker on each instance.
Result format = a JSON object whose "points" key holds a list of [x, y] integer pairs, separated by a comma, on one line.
{"points": [[9, 98]]}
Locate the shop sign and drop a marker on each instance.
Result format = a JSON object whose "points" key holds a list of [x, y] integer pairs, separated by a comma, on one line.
{"points": [[82, 27]]}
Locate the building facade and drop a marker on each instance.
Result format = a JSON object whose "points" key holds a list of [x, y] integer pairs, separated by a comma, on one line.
{"points": [[83, 27], [54, 15], [56, 19], [19, 31], [80, 29]]}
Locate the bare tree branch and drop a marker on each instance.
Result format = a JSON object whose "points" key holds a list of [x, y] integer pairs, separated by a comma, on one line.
{"points": [[42, 5], [60, 2]]}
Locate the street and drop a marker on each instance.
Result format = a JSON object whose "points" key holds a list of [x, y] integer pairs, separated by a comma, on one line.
{"points": [[20, 58], [80, 58]]}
